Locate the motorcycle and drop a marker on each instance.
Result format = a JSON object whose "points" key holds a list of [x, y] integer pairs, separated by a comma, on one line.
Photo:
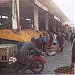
{"points": [[36, 62]]}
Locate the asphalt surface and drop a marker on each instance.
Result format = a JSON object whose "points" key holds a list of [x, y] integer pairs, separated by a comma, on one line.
{"points": [[52, 62]]}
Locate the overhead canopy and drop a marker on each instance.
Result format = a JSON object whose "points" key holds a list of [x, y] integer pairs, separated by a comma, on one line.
{"points": [[54, 9], [51, 6]]}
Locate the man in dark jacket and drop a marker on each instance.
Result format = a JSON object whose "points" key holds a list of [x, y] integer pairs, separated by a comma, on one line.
{"points": [[73, 54], [73, 51], [22, 54], [61, 40], [72, 38]]}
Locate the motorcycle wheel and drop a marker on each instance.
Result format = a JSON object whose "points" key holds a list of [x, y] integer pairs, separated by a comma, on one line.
{"points": [[17, 66], [37, 66]]}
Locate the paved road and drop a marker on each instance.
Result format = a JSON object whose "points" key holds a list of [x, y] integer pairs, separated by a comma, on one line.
{"points": [[52, 62], [60, 59]]}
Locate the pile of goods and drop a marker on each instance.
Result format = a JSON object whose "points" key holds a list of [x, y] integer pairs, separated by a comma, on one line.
{"points": [[24, 35], [64, 70], [54, 48]]}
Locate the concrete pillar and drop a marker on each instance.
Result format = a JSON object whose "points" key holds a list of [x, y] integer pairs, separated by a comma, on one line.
{"points": [[46, 21], [1, 19], [54, 25], [36, 27], [15, 14]]}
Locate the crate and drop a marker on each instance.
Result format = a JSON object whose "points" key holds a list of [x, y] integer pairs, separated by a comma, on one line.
{"points": [[6, 51]]}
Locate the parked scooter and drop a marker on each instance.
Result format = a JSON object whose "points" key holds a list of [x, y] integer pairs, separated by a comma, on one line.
{"points": [[36, 62]]}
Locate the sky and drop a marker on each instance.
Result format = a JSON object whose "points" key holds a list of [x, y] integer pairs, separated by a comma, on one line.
{"points": [[67, 7]]}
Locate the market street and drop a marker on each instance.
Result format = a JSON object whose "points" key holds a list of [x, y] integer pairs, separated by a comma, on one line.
{"points": [[52, 62], [36, 37], [58, 60]]}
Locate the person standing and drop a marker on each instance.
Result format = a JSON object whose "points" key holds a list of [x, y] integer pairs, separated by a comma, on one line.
{"points": [[44, 39], [72, 38], [51, 38], [61, 41], [54, 39], [48, 40], [73, 54], [40, 42], [33, 40]]}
